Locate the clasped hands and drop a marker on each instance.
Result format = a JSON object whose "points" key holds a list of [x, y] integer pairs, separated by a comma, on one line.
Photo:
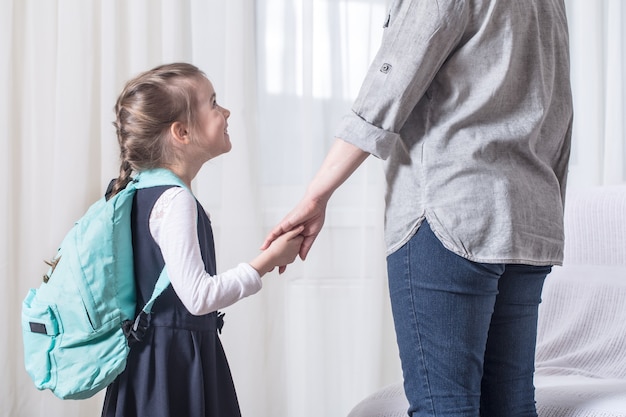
{"points": [[303, 224]]}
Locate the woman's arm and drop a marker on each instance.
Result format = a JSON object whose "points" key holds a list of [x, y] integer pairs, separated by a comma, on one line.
{"points": [[341, 161]]}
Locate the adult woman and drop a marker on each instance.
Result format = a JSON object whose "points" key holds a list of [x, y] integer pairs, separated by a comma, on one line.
{"points": [[469, 104]]}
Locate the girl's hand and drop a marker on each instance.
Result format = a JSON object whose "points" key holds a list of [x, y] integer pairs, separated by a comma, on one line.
{"points": [[282, 251], [340, 162], [308, 216]]}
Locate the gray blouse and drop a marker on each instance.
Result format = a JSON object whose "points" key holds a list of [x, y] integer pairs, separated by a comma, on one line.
{"points": [[469, 104]]}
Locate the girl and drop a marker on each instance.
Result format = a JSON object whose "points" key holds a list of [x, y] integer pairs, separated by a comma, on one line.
{"points": [[168, 117]]}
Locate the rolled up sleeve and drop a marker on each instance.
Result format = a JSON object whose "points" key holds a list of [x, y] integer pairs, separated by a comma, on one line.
{"points": [[420, 35]]}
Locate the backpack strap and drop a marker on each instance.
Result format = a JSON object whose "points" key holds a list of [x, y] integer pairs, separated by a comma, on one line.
{"points": [[146, 179], [153, 178], [162, 283], [156, 177], [135, 330]]}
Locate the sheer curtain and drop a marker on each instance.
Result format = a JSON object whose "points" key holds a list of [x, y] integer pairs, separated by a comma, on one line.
{"points": [[63, 64], [598, 56], [318, 338], [336, 332]]}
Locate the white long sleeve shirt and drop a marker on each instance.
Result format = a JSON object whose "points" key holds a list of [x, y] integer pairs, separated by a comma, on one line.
{"points": [[173, 225]]}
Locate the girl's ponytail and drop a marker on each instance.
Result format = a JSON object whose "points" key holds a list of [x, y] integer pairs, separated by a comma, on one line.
{"points": [[126, 168], [122, 181]]}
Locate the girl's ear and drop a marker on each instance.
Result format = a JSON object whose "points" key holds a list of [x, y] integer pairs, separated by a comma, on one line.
{"points": [[180, 133]]}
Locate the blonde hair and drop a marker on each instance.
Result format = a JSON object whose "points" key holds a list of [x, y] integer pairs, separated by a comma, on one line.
{"points": [[144, 112]]}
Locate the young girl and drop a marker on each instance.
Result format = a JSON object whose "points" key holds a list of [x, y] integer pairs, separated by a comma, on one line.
{"points": [[168, 117]]}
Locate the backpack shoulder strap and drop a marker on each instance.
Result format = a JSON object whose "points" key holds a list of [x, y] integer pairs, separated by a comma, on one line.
{"points": [[153, 178], [156, 177], [135, 330], [162, 283]]}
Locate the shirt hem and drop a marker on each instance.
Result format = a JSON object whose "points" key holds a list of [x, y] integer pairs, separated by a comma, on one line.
{"points": [[495, 260]]}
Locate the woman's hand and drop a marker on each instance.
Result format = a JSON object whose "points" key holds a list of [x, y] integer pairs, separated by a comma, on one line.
{"points": [[280, 252], [309, 215], [341, 161]]}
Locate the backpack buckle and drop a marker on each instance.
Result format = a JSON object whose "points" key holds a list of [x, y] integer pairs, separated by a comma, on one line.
{"points": [[136, 330]]}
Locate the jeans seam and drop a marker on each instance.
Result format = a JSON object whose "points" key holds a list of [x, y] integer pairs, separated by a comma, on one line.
{"points": [[416, 326]]}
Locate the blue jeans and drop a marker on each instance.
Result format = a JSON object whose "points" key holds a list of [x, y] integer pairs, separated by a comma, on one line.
{"points": [[466, 331]]}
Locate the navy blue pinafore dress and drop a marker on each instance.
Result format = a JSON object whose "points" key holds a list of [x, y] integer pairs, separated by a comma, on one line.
{"points": [[179, 369]]}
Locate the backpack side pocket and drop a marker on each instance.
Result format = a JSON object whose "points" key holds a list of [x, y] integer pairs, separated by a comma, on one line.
{"points": [[40, 330]]}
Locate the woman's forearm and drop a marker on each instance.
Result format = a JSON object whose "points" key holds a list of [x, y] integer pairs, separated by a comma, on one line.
{"points": [[341, 161]]}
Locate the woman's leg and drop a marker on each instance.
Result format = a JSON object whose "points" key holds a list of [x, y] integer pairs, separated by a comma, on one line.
{"points": [[442, 306], [507, 386]]}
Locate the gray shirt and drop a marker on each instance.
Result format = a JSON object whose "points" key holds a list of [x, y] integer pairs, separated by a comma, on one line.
{"points": [[469, 104]]}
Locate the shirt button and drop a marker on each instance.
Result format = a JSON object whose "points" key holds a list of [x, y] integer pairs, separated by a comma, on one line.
{"points": [[385, 68]]}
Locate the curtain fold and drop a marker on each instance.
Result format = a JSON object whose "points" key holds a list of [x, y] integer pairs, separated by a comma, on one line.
{"points": [[335, 333], [64, 63], [318, 338], [598, 65]]}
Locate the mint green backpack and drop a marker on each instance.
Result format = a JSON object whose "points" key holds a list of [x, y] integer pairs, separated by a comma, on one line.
{"points": [[78, 324]]}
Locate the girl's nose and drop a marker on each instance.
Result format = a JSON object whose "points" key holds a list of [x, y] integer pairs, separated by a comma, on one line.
{"points": [[226, 112]]}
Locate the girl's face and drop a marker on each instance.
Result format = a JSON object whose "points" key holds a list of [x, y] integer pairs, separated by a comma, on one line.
{"points": [[211, 135]]}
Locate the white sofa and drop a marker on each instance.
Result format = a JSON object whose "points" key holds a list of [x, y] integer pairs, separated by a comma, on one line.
{"points": [[581, 341]]}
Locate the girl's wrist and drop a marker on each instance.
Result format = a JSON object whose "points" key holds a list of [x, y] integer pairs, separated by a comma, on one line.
{"points": [[261, 265]]}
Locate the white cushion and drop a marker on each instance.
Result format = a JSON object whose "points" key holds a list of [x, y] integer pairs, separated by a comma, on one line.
{"points": [[578, 396], [557, 396], [582, 322], [389, 401]]}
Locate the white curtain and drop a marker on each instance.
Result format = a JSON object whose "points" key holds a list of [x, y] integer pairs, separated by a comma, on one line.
{"points": [[318, 338], [63, 63], [598, 68], [333, 316]]}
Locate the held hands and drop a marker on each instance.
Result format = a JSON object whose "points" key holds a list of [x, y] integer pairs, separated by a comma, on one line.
{"points": [[340, 162], [282, 251], [308, 217]]}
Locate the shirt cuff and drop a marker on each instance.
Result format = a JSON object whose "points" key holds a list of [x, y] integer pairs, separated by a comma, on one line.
{"points": [[364, 135], [252, 278]]}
